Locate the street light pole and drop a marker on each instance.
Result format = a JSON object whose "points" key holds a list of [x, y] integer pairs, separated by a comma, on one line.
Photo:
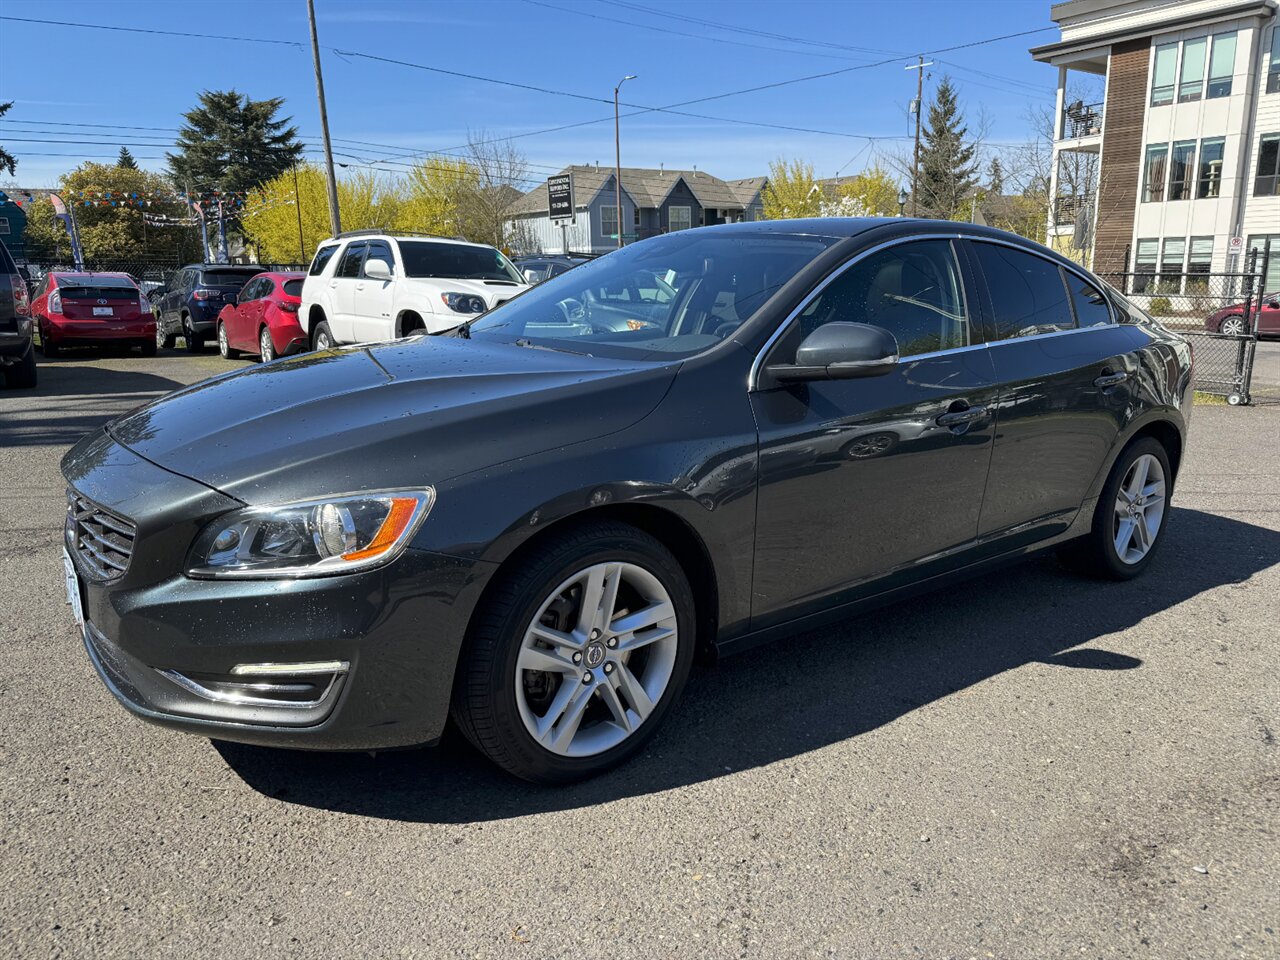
{"points": [[918, 67], [617, 154], [335, 221], [297, 203]]}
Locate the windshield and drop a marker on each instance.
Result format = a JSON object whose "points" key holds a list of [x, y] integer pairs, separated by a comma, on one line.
{"points": [[456, 261], [674, 295]]}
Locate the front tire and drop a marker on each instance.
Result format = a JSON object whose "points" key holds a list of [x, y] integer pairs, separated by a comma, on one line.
{"points": [[163, 341], [577, 655], [195, 342], [1232, 326], [1128, 524]]}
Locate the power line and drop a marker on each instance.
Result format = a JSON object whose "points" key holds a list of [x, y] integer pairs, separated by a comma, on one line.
{"points": [[166, 33]]}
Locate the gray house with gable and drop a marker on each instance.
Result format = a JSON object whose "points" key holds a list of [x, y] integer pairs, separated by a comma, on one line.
{"points": [[654, 201]]}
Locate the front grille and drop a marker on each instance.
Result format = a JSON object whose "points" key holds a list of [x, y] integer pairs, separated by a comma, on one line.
{"points": [[102, 541]]}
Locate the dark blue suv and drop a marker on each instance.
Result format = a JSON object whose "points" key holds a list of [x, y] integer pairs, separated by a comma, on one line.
{"points": [[188, 304]]}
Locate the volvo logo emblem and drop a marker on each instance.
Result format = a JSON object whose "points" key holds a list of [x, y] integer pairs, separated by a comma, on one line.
{"points": [[594, 654]]}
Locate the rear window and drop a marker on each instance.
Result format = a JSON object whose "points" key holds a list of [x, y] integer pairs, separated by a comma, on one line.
{"points": [[323, 256], [428, 258], [293, 288], [105, 289], [228, 278]]}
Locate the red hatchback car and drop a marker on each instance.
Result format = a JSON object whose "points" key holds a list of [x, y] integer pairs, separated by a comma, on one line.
{"points": [[1230, 320], [264, 318], [92, 309]]}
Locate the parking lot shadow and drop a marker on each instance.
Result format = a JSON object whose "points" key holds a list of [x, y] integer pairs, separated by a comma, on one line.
{"points": [[806, 692], [80, 398]]}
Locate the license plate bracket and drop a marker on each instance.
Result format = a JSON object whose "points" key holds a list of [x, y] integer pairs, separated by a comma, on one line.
{"points": [[103, 312]]}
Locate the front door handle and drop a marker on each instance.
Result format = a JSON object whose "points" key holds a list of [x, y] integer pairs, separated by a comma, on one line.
{"points": [[1109, 379], [958, 418]]}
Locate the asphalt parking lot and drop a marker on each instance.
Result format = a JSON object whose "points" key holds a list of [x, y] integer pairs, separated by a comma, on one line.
{"points": [[1029, 765]]}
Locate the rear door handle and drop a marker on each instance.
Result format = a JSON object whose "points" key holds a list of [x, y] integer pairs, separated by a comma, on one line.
{"points": [[957, 418], [1110, 380]]}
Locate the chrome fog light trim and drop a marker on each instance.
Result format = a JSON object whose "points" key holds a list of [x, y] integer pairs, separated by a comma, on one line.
{"points": [[292, 669]]}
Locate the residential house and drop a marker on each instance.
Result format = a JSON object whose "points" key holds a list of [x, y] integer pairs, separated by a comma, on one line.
{"points": [[654, 201], [1186, 133], [13, 220]]}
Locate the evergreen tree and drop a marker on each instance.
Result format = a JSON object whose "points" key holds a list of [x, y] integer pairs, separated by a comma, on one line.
{"points": [[7, 162], [126, 161], [232, 143], [995, 177], [948, 165]]}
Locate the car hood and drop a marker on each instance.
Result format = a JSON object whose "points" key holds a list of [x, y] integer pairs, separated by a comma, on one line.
{"points": [[489, 291], [398, 414]]}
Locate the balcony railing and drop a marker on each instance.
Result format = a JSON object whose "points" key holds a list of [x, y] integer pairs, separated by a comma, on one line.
{"points": [[1081, 120], [1067, 208]]}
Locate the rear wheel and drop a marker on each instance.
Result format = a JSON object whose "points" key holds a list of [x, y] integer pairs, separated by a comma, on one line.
{"points": [[47, 346], [323, 338], [195, 342], [266, 347], [577, 656], [224, 345], [1130, 516], [23, 373]]}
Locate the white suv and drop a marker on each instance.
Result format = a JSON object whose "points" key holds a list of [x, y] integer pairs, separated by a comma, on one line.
{"points": [[369, 285]]}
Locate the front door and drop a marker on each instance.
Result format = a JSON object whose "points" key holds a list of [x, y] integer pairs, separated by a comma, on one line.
{"points": [[372, 319], [1065, 381], [342, 291], [862, 478]]}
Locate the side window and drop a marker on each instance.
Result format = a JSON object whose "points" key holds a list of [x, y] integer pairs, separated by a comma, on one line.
{"points": [[1090, 305], [352, 257], [912, 289], [322, 258], [1028, 294], [379, 250], [189, 280], [253, 289]]}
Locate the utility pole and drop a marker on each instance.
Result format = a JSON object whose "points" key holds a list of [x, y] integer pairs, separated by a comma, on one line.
{"points": [[918, 67], [297, 202], [335, 221], [617, 154]]}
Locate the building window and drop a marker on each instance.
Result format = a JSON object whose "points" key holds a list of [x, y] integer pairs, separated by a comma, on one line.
{"points": [[609, 222], [1144, 265], [1222, 64], [1182, 169], [1162, 77], [1191, 84], [1175, 248], [679, 218], [1209, 178], [1273, 71], [1200, 258], [1267, 182], [1153, 172], [1259, 242], [636, 219]]}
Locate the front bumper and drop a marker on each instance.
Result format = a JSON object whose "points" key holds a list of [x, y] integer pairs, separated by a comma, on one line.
{"points": [[396, 630]]}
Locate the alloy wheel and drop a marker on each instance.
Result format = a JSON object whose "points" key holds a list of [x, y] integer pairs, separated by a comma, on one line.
{"points": [[1232, 326], [596, 659], [266, 349], [224, 347], [159, 336], [1139, 509], [322, 341]]}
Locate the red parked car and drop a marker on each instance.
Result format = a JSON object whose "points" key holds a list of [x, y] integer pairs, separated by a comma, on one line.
{"points": [[92, 309], [264, 318], [1230, 319]]}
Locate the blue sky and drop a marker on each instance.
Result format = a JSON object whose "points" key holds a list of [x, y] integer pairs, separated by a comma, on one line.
{"points": [[62, 75]]}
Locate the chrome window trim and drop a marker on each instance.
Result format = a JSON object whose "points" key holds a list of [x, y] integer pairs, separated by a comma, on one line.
{"points": [[753, 378]]}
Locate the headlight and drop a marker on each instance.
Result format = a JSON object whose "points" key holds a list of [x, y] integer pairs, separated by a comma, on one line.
{"points": [[311, 538], [464, 302]]}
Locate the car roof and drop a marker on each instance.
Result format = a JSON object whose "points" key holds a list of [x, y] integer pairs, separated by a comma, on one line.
{"points": [[360, 235], [90, 274]]}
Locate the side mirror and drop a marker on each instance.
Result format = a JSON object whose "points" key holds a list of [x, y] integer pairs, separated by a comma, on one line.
{"points": [[840, 351], [377, 269]]}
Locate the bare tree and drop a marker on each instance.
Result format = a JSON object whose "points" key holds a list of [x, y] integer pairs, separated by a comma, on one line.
{"points": [[501, 176]]}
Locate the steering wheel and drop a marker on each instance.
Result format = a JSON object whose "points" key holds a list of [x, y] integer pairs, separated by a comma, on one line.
{"points": [[573, 310], [726, 329]]}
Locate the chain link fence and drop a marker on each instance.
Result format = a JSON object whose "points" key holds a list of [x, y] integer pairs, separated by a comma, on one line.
{"points": [[1222, 315], [151, 273]]}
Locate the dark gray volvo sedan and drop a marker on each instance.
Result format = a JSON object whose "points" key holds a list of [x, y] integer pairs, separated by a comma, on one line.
{"points": [[531, 523]]}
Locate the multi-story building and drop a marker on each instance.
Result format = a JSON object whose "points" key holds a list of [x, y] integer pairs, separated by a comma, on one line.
{"points": [[1183, 144]]}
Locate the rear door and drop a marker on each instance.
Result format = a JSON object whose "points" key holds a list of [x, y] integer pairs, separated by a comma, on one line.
{"points": [[342, 291], [1064, 370]]}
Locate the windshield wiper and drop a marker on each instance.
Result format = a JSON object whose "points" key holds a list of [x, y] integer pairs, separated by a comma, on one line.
{"points": [[462, 330]]}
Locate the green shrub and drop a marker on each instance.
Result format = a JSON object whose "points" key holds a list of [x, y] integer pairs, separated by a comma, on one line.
{"points": [[1161, 305]]}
